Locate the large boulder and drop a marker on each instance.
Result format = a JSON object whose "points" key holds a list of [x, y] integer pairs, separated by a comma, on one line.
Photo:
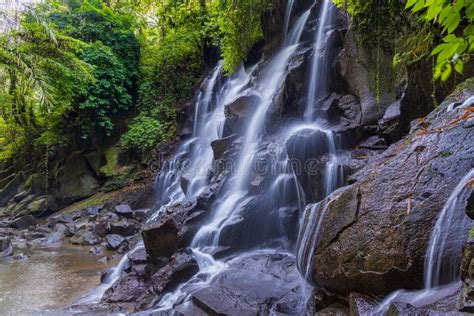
{"points": [[374, 233], [236, 292], [165, 237]]}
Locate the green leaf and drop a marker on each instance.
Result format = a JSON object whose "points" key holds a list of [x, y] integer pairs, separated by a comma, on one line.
{"points": [[433, 11], [446, 72], [470, 11], [418, 6], [410, 3], [459, 66], [452, 22]]}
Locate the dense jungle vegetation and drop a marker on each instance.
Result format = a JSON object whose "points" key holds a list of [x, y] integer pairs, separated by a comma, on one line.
{"points": [[76, 72]]}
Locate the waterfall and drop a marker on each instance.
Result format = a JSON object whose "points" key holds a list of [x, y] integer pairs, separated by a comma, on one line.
{"points": [[235, 190], [447, 239], [319, 66], [310, 225]]}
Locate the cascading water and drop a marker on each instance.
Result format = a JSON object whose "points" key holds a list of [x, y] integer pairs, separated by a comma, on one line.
{"points": [[317, 86], [193, 159], [235, 190], [444, 251]]}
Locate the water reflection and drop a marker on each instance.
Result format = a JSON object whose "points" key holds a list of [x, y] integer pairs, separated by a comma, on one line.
{"points": [[51, 278]]}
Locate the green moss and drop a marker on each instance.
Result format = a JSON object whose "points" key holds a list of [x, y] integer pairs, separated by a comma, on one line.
{"points": [[111, 167], [467, 84], [471, 232], [99, 198]]}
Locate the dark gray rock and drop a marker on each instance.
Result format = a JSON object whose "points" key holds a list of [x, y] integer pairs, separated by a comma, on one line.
{"points": [[114, 241], [221, 145], [181, 267], [127, 289], [10, 189], [390, 123], [235, 292], [361, 304], [93, 210], [124, 210], [374, 233], [342, 110], [24, 222], [163, 238], [123, 227], [97, 250], [29, 236], [141, 214], [139, 256], [63, 218], [84, 237], [6, 248], [359, 68], [467, 277]]}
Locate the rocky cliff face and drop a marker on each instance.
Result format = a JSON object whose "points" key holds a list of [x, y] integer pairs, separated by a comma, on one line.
{"points": [[374, 235]]}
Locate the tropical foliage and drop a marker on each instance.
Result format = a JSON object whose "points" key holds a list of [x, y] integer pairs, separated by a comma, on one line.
{"points": [[417, 29]]}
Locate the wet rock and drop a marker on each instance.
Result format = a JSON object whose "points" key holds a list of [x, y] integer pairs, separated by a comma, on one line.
{"points": [[256, 185], [33, 235], [389, 123], [139, 256], [124, 210], [6, 248], [290, 100], [10, 189], [470, 206], [374, 233], [467, 277], [163, 238], [109, 217], [43, 229], [102, 228], [141, 214], [97, 250], [356, 67], [236, 112], [114, 241], [93, 210], [361, 304], [127, 289], [63, 218], [321, 298], [308, 153], [123, 227], [20, 256], [63, 230], [72, 229], [342, 110], [24, 222], [84, 237], [235, 292], [399, 309], [181, 267], [221, 145]]}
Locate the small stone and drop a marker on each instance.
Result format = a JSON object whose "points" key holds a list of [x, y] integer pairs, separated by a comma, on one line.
{"points": [[24, 222], [124, 210], [114, 241]]}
